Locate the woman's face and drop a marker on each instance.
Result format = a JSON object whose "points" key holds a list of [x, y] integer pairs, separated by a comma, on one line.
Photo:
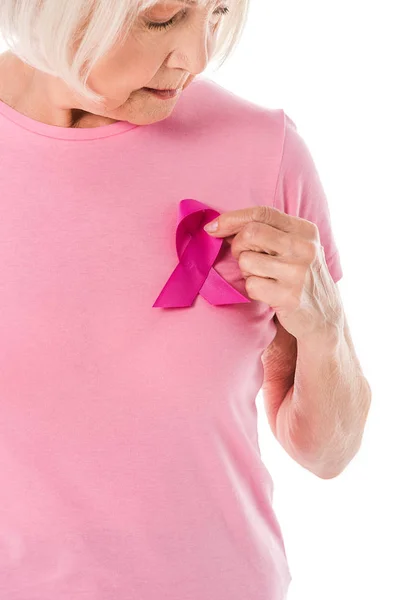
{"points": [[165, 58]]}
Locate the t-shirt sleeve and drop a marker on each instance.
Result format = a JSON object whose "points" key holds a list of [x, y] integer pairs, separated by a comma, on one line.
{"points": [[300, 193]]}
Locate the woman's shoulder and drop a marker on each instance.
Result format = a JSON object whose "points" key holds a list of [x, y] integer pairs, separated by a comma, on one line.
{"points": [[206, 100], [207, 87]]}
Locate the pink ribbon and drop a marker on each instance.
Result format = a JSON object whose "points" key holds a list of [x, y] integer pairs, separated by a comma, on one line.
{"points": [[196, 252]]}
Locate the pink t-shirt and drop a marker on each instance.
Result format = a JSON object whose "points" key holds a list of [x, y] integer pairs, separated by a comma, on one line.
{"points": [[129, 459]]}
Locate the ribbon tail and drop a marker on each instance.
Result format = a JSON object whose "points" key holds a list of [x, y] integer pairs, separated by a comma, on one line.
{"points": [[181, 288], [218, 291]]}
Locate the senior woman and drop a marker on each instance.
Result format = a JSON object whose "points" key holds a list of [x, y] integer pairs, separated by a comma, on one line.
{"points": [[133, 343]]}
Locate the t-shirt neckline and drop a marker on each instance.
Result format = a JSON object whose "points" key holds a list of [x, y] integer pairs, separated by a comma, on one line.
{"points": [[66, 133]]}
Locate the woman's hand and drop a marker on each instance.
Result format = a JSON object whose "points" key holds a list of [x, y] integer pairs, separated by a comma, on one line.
{"points": [[284, 265]]}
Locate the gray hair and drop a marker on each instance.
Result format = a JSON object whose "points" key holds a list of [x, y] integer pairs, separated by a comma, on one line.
{"points": [[65, 38]]}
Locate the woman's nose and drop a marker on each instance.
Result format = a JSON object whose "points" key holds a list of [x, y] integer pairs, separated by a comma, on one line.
{"points": [[193, 50]]}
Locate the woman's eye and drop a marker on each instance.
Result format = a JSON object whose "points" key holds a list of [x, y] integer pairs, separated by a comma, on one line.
{"points": [[222, 10]]}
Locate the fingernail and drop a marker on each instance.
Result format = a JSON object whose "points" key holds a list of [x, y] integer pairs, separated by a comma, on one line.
{"points": [[212, 226]]}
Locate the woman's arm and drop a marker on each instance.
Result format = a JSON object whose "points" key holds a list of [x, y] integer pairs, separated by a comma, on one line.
{"points": [[279, 361], [317, 400]]}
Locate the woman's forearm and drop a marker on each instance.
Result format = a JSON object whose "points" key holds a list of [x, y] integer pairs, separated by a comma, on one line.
{"points": [[322, 419]]}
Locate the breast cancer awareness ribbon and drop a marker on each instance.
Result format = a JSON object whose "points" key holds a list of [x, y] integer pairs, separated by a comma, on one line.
{"points": [[197, 252]]}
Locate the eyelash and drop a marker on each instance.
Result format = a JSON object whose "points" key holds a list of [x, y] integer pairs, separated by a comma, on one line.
{"points": [[223, 10]]}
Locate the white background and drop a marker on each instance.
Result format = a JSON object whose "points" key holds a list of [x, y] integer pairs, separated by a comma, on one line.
{"points": [[333, 66]]}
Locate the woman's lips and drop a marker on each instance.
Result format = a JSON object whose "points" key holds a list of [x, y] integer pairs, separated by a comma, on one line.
{"points": [[163, 94]]}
